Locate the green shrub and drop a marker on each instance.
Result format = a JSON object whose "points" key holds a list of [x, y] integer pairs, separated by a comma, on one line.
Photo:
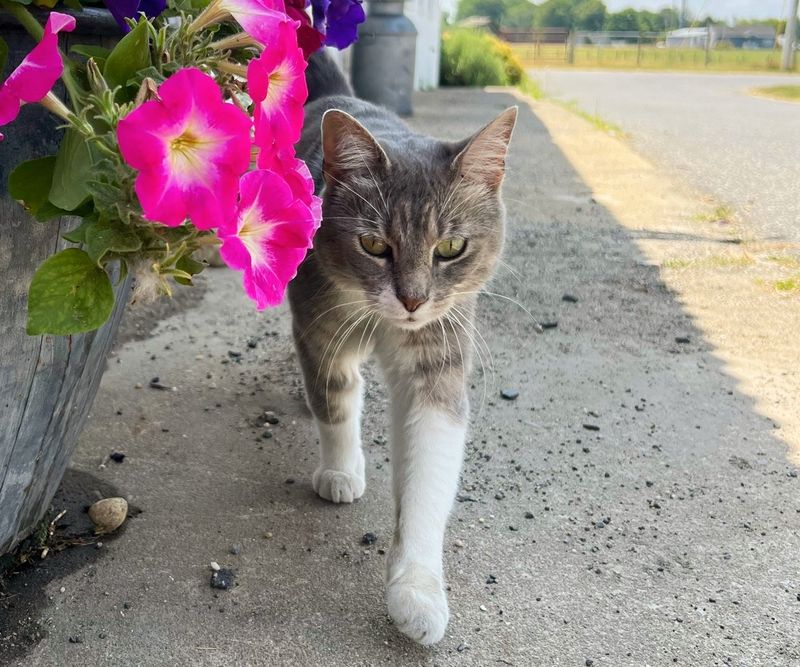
{"points": [[469, 59], [513, 67]]}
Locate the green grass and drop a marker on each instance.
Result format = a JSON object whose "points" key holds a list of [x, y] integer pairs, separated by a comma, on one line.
{"points": [[650, 57], [709, 262], [788, 93], [722, 214], [788, 284], [530, 88], [600, 123]]}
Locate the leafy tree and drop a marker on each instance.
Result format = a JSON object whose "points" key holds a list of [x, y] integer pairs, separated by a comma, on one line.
{"points": [[589, 15], [518, 14], [670, 19], [627, 19], [494, 9], [555, 14]]}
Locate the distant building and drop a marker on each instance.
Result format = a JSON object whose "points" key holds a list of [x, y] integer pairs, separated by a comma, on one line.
{"points": [[696, 38], [748, 37], [743, 37]]}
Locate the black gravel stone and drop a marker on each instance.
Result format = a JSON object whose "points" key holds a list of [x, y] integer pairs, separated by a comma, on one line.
{"points": [[570, 298], [117, 457], [683, 339], [156, 383], [369, 538], [491, 579], [591, 427], [509, 394], [223, 579]]}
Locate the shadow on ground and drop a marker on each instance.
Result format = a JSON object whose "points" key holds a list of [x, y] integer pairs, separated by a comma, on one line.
{"points": [[630, 506]]}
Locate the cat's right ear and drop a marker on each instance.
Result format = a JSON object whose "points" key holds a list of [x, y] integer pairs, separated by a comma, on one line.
{"points": [[348, 148]]}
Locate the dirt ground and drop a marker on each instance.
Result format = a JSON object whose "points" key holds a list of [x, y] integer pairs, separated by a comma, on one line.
{"points": [[638, 504]]}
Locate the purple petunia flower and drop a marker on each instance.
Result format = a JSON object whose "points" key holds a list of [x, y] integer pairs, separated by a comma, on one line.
{"points": [[338, 20], [130, 9]]}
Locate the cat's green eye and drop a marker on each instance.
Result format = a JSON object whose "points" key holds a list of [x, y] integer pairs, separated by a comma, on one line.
{"points": [[450, 248], [373, 245]]}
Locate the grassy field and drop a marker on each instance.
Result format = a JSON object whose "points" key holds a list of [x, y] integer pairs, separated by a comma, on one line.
{"points": [[649, 57], [788, 93]]}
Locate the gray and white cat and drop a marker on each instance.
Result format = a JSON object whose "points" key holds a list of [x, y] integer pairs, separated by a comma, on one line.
{"points": [[412, 228]]}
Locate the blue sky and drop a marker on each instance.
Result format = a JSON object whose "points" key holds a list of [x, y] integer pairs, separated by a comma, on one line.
{"points": [[725, 9]]}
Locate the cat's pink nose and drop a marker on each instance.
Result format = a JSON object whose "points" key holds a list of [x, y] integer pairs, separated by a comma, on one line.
{"points": [[412, 302]]}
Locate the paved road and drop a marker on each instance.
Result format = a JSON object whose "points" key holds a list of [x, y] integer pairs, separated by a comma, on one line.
{"points": [[739, 148]]}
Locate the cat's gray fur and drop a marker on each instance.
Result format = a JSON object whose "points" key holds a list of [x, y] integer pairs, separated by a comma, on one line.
{"points": [[377, 177]]}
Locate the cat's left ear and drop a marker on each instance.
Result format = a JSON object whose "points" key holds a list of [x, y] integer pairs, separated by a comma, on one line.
{"points": [[483, 159]]}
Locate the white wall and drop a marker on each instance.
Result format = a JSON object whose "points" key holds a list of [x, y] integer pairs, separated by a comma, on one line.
{"points": [[426, 15]]}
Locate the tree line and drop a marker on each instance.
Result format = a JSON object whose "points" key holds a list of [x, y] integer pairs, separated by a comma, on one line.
{"points": [[590, 15]]}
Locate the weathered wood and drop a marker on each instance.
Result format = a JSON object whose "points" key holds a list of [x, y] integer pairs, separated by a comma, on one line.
{"points": [[47, 383]]}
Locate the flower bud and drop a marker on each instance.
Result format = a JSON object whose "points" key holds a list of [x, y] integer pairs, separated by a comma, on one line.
{"points": [[96, 81], [147, 91]]}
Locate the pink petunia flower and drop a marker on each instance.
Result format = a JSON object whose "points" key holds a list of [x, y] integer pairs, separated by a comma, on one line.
{"points": [[37, 73], [277, 85], [258, 18], [295, 173], [269, 237], [190, 148]]}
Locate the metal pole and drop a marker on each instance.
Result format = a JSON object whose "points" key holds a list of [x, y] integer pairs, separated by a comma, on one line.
{"points": [[789, 36]]}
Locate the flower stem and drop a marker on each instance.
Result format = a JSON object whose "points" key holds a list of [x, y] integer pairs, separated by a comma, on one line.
{"points": [[56, 106], [213, 13], [25, 18], [232, 68]]}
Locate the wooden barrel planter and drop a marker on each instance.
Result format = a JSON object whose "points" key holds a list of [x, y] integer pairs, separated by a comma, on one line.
{"points": [[47, 383]]}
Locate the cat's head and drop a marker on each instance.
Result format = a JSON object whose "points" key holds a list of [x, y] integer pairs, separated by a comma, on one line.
{"points": [[413, 227]]}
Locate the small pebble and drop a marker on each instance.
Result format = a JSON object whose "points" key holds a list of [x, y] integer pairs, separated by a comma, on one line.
{"points": [[491, 579], [271, 418], [569, 298], [683, 339], [509, 394], [549, 324], [76, 639], [156, 383], [223, 579], [369, 538], [214, 565], [499, 495], [591, 427], [117, 457], [236, 549], [528, 515], [458, 544], [461, 647], [483, 608]]}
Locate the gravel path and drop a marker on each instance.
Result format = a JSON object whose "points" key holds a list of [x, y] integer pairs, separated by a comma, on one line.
{"points": [[740, 148]]}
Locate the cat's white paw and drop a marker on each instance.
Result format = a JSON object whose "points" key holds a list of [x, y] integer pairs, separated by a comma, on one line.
{"points": [[417, 603], [339, 486]]}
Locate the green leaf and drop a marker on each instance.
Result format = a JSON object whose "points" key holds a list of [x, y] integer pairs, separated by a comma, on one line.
{"points": [[106, 236], [30, 184], [3, 54], [190, 266], [68, 294], [131, 54], [99, 53], [74, 4], [72, 171], [78, 235]]}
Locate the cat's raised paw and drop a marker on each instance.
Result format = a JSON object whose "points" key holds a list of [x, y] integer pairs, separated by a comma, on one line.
{"points": [[338, 486], [417, 603]]}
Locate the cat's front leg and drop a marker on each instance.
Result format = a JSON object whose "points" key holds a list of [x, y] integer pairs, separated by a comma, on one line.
{"points": [[428, 449], [334, 394]]}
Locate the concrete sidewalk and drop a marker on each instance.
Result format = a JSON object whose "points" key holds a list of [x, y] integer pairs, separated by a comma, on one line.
{"points": [[630, 508]]}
